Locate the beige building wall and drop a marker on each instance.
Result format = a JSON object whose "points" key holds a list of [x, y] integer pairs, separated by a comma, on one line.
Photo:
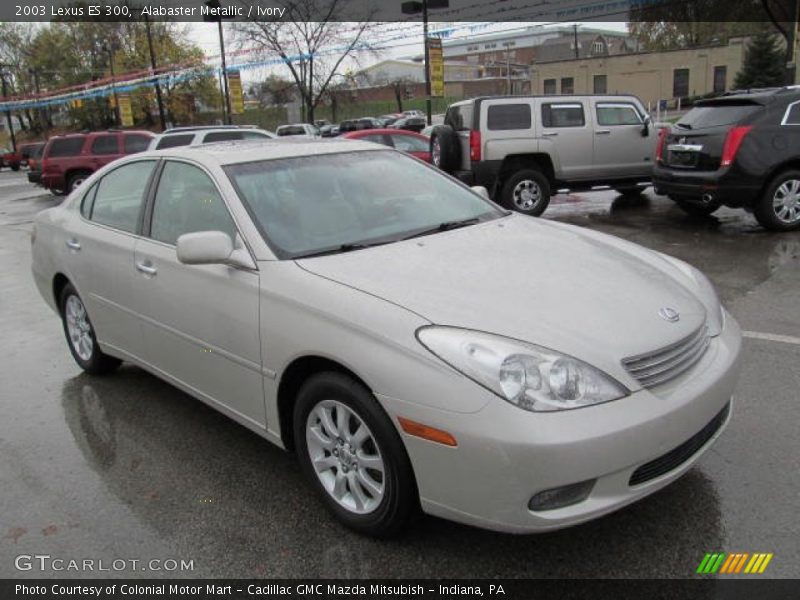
{"points": [[650, 76]]}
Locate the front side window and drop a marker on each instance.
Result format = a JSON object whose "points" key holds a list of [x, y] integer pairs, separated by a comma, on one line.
{"points": [[313, 204], [609, 115], [119, 195], [503, 117], [563, 115], [105, 144], [187, 201]]}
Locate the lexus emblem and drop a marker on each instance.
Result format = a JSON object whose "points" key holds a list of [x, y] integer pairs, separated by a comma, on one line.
{"points": [[669, 314]]}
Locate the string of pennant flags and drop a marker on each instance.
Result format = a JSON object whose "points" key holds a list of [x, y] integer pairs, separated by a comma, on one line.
{"points": [[124, 84]]}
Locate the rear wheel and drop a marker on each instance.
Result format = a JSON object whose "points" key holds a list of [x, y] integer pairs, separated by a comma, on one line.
{"points": [[76, 179], [80, 334], [527, 192], [778, 208], [445, 148], [353, 455]]}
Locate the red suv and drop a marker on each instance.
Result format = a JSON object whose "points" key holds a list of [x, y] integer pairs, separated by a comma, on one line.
{"points": [[69, 159]]}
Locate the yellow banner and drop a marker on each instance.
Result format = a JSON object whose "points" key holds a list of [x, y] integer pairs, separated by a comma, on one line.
{"points": [[125, 110], [235, 90], [436, 58]]}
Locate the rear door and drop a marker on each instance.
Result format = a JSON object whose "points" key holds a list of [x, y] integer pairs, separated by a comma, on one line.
{"points": [[620, 150], [99, 243], [507, 127], [200, 322], [567, 135], [105, 148]]}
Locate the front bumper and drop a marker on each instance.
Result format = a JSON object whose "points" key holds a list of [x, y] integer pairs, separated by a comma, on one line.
{"points": [[506, 455], [693, 185]]}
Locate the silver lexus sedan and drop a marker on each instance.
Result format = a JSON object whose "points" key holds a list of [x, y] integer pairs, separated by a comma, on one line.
{"points": [[413, 343]]}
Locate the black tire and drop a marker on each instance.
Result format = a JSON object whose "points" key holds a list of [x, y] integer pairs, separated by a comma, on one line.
{"points": [[75, 179], [448, 155], [15, 167], [765, 211], [695, 208], [629, 190], [94, 362], [513, 198], [400, 500]]}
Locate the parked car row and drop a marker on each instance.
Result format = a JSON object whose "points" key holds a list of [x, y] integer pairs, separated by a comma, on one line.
{"points": [[741, 149]]}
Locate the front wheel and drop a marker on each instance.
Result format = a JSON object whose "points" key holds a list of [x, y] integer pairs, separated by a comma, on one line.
{"points": [[778, 208], [527, 192], [80, 334], [353, 455]]}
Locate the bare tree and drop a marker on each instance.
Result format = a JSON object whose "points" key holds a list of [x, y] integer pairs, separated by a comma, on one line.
{"points": [[310, 40]]}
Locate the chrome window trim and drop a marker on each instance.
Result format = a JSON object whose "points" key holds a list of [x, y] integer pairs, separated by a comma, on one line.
{"points": [[784, 122]]}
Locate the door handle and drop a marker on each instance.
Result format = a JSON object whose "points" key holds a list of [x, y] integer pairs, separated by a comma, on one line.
{"points": [[549, 133], [602, 132], [146, 268], [73, 244]]}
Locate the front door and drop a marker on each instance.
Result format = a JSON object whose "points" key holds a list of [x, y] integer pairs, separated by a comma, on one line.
{"points": [[200, 322], [620, 149], [565, 131]]}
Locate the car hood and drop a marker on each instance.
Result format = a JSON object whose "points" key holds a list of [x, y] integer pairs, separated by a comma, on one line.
{"points": [[589, 295]]}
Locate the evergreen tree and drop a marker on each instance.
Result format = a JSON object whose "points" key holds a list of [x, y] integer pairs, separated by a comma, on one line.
{"points": [[763, 63]]}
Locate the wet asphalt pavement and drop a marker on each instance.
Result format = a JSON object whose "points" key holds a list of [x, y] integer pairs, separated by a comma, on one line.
{"points": [[129, 467]]}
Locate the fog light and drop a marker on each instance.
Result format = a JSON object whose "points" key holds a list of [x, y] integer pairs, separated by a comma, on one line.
{"points": [[560, 497]]}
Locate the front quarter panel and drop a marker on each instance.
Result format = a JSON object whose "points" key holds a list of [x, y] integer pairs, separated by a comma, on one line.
{"points": [[303, 314]]}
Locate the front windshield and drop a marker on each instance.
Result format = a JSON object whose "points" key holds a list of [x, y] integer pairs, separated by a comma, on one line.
{"points": [[313, 204]]}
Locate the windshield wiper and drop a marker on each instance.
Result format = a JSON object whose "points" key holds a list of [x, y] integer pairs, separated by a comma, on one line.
{"points": [[446, 226], [340, 249]]}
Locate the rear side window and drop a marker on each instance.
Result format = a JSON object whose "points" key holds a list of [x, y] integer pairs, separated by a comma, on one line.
{"points": [[66, 147], [105, 144], [610, 115], [701, 117], [254, 135], [173, 141], [222, 136], [502, 117], [119, 194], [291, 130], [792, 115], [87, 201], [135, 143], [563, 115]]}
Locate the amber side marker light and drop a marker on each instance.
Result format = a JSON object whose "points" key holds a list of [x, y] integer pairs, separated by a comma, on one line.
{"points": [[427, 433]]}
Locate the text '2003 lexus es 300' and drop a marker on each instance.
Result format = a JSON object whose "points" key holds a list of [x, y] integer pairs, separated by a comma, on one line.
{"points": [[415, 344]]}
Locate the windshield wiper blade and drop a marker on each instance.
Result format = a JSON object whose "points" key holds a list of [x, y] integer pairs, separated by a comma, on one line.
{"points": [[446, 226], [339, 249]]}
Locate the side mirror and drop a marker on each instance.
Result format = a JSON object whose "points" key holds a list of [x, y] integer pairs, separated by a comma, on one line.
{"points": [[646, 126], [204, 248], [481, 191]]}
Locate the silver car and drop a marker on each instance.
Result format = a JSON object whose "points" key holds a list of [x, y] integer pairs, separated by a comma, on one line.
{"points": [[416, 345]]}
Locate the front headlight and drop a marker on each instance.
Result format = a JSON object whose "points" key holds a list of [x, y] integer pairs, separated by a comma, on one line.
{"points": [[529, 376]]}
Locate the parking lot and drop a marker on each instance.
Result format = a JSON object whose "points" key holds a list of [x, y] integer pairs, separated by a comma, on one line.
{"points": [[129, 467]]}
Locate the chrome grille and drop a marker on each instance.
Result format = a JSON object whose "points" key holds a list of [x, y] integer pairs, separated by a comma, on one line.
{"points": [[660, 366]]}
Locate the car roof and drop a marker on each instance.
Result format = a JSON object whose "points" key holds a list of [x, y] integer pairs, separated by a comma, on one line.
{"points": [[245, 151], [352, 135]]}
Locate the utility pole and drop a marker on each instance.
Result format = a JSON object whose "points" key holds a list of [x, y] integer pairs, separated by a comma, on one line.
{"points": [[214, 5], [575, 33], [8, 112], [40, 111], [159, 100]]}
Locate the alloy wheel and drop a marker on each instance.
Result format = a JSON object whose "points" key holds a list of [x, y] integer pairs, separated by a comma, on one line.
{"points": [[786, 201], [79, 328], [526, 195], [436, 152], [345, 456]]}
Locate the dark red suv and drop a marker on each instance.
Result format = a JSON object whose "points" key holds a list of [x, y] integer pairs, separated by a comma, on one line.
{"points": [[69, 159]]}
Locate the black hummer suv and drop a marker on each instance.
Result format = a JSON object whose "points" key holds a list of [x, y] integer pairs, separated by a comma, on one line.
{"points": [[740, 150]]}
